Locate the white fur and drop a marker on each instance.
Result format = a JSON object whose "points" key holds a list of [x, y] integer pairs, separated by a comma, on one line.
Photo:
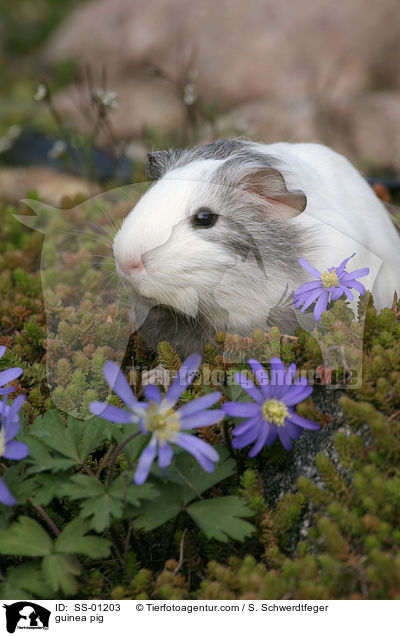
{"points": [[349, 215], [182, 270]]}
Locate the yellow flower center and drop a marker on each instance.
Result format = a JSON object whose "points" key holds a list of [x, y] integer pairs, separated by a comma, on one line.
{"points": [[329, 279], [274, 411], [2, 442], [163, 424]]}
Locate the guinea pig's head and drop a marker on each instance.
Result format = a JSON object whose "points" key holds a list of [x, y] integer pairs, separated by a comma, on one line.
{"points": [[212, 209]]}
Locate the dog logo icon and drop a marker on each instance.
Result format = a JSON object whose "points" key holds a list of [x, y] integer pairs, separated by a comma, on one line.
{"points": [[26, 615]]}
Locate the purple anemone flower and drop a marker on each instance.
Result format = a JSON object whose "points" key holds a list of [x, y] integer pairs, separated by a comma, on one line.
{"points": [[158, 418], [331, 285], [271, 415], [9, 447], [8, 376]]}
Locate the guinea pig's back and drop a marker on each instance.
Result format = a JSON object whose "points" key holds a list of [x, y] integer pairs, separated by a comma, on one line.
{"points": [[347, 211]]}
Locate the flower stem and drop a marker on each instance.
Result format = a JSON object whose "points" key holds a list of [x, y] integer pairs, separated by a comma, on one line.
{"points": [[57, 532], [46, 517], [227, 439], [103, 462], [88, 470], [188, 483], [115, 454]]}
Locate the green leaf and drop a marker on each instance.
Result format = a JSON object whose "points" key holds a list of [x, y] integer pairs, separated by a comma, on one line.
{"points": [[25, 537], [82, 487], [60, 571], [93, 433], [73, 441], [175, 491], [25, 581], [101, 510], [72, 539], [220, 518], [41, 459], [55, 446], [102, 505], [135, 446], [165, 507], [51, 430], [17, 482], [124, 489], [46, 487]]}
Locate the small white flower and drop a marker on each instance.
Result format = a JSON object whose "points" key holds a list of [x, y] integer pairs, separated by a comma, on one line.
{"points": [[11, 135], [189, 94], [58, 149], [109, 100], [5, 144], [14, 131], [40, 93]]}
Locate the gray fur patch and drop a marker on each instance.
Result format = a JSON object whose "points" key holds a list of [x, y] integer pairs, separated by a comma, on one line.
{"points": [[161, 161]]}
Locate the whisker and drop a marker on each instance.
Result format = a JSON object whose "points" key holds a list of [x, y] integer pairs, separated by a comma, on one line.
{"points": [[89, 236], [109, 216]]}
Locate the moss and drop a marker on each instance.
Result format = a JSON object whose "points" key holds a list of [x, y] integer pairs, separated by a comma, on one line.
{"points": [[334, 534]]}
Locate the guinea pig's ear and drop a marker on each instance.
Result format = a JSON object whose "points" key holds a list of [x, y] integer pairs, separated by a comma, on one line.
{"points": [[269, 185], [157, 163]]}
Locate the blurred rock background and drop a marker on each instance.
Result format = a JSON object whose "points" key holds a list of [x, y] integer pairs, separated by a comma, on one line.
{"points": [[174, 72]]}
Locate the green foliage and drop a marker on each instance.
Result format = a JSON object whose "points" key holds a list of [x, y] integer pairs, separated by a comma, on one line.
{"points": [[218, 518], [100, 504], [168, 357], [221, 518], [59, 565], [83, 528]]}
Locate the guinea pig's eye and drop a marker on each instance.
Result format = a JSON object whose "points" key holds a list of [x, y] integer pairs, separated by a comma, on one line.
{"points": [[204, 217]]}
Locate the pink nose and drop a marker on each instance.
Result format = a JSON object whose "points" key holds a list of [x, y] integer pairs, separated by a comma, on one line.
{"points": [[130, 265]]}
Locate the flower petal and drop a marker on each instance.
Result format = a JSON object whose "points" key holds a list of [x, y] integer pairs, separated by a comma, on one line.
{"points": [[348, 293], [290, 373], [261, 375], [261, 440], [249, 387], [295, 432], [9, 375], [309, 268], [203, 418], [15, 450], [165, 455], [199, 404], [343, 264], [245, 437], [296, 394], [119, 384], [7, 391], [193, 443], [111, 413], [320, 305], [14, 408], [2, 351], [153, 393], [336, 293], [284, 437], [355, 284], [253, 422], [145, 461], [5, 496], [307, 287], [241, 409], [311, 297], [203, 452], [278, 376], [358, 273], [303, 422], [184, 378]]}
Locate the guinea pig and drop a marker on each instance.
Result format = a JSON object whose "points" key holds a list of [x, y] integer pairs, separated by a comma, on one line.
{"points": [[214, 243]]}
